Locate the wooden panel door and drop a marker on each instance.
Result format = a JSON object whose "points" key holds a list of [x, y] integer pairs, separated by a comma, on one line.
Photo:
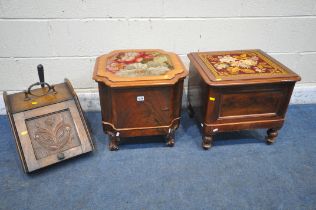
{"points": [[252, 102], [142, 107]]}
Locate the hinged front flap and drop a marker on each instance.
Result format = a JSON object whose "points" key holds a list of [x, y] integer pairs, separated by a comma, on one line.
{"points": [[51, 134]]}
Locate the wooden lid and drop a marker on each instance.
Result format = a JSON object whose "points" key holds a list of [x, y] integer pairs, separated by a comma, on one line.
{"points": [[138, 68], [240, 67]]}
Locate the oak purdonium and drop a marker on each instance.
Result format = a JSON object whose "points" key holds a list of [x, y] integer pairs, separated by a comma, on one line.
{"points": [[140, 93], [237, 90], [48, 125]]}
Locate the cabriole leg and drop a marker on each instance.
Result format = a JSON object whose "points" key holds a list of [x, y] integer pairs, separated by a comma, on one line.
{"points": [[171, 137], [113, 141], [171, 134]]}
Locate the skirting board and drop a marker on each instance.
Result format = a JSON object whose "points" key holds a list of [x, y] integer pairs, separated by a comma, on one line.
{"points": [[89, 98]]}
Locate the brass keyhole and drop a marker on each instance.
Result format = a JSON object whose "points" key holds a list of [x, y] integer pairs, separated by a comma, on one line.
{"points": [[60, 156]]}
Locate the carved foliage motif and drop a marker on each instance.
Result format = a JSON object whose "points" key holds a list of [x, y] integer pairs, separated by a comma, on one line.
{"points": [[55, 137], [52, 134]]}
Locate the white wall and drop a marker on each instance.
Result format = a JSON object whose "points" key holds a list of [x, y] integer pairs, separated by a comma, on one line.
{"points": [[66, 36]]}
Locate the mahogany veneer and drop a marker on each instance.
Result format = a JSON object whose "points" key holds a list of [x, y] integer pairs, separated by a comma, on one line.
{"points": [[238, 90], [140, 93]]}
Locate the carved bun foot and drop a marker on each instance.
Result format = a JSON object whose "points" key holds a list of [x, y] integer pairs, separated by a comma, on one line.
{"points": [[114, 142], [190, 111], [170, 142], [207, 142], [272, 134]]}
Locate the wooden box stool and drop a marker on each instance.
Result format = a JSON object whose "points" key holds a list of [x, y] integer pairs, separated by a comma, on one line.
{"points": [[140, 93], [237, 90]]}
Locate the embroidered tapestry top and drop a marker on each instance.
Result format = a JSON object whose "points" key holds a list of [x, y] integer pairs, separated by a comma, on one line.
{"points": [[138, 64], [243, 63]]}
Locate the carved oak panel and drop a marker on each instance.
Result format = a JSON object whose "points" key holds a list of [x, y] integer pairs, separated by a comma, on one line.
{"points": [[52, 133]]}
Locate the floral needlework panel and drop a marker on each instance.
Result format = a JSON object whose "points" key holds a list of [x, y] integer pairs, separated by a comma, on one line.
{"points": [[236, 64], [138, 64]]}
